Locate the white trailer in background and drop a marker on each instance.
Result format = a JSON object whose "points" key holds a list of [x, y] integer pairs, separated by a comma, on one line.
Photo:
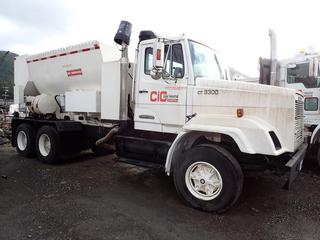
{"points": [[174, 107]]}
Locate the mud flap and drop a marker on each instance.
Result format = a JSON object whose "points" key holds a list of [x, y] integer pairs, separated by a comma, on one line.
{"points": [[294, 165]]}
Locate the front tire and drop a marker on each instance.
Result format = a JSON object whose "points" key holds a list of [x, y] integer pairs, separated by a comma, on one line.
{"points": [[208, 178], [48, 145], [25, 140]]}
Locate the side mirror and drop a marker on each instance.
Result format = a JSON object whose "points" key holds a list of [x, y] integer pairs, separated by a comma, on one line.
{"points": [[158, 55], [158, 60]]}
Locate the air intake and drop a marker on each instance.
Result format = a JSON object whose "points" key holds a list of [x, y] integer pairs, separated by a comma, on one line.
{"points": [[124, 33], [145, 35]]}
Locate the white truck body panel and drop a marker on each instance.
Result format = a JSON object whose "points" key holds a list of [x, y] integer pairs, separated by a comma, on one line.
{"points": [[245, 131], [110, 87], [83, 101], [160, 105], [21, 76]]}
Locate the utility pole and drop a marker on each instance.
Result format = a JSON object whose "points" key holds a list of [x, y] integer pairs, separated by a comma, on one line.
{"points": [[5, 95]]}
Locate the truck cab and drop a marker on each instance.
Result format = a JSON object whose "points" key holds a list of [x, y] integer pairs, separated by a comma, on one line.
{"points": [[302, 73], [165, 103], [191, 88]]}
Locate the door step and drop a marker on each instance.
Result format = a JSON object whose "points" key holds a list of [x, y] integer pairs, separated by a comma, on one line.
{"points": [[139, 163]]}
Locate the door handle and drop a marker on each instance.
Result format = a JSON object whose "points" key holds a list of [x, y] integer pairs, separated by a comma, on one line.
{"points": [[143, 91]]}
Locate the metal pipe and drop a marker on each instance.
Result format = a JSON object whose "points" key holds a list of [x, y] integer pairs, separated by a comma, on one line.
{"points": [[124, 64], [59, 105], [107, 138], [273, 58]]}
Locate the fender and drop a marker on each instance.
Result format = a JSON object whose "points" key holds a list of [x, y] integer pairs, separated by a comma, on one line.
{"points": [[251, 134], [315, 135]]}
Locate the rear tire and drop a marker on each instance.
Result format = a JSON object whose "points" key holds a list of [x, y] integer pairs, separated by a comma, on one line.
{"points": [[48, 145], [25, 140], [208, 178]]}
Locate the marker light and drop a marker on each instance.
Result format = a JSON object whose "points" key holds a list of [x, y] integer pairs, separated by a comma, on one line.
{"points": [[239, 112], [158, 54]]}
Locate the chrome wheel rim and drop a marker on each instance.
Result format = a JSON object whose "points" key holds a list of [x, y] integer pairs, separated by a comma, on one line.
{"points": [[203, 181], [44, 145], [22, 141]]}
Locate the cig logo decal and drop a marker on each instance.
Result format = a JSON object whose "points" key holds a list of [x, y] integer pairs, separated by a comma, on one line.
{"points": [[163, 96]]}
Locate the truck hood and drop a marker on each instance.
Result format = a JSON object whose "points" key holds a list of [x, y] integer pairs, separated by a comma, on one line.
{"points": [[244, 86], [275, 107]]}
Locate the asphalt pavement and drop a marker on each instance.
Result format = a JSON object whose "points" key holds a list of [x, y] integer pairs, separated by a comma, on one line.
{"points": [[92, 197]]}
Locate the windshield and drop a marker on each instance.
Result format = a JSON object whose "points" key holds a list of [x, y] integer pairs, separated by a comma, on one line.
{"points": [[206, 62]]}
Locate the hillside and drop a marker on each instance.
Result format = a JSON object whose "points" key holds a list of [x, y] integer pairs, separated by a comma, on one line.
{"points": [[6, 72]]}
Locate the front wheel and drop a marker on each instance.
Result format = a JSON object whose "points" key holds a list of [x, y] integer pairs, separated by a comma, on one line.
{"points": [[48, 145], [208, 178]]}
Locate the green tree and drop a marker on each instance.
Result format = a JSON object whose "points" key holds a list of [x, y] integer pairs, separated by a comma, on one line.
{"points": [[6, 73]]}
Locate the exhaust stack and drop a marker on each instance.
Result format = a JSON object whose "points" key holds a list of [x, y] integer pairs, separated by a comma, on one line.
{"points": [[273, 58], [122, 38]]}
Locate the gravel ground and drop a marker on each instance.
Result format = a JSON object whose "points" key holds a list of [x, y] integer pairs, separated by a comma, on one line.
{"points": [[98, 198]]}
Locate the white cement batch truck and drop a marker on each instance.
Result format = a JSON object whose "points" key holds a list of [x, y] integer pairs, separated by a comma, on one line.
{"points": [[174, 107]]}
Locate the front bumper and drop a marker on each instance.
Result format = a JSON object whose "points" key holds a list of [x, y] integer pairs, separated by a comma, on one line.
{"points": [[294, 165]]}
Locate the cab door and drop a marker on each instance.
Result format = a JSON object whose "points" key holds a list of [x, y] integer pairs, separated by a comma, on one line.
{"points": [[161, 104]]}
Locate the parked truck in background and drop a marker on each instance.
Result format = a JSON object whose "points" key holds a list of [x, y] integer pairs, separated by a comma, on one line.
{"points": [[301, 72], [173, 107]]}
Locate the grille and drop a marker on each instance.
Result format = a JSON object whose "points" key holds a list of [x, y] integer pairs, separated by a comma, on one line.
{"points": [[298, 116]]}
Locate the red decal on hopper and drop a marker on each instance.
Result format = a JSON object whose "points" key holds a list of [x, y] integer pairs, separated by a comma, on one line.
{"points": [[74, 72]]}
